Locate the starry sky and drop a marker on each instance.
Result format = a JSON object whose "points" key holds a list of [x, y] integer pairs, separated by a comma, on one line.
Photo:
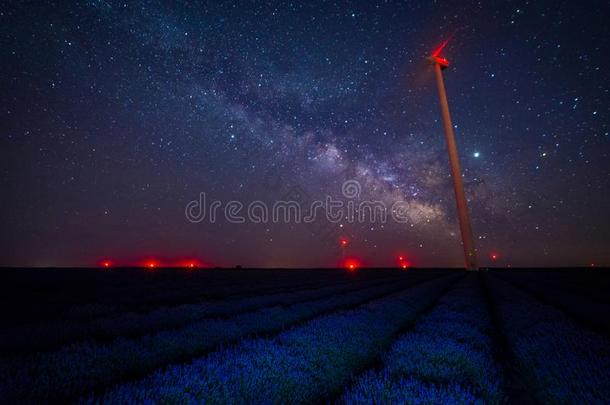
{"points": [[114, 115]]}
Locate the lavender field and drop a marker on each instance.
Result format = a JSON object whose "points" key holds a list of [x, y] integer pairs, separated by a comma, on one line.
{"points": [[371, 336]]}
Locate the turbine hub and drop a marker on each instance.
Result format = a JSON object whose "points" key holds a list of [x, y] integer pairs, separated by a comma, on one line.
{"points": [[437, 60]]}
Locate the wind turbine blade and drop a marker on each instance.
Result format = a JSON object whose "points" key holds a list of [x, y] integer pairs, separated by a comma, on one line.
{"points": [[442, 46]]}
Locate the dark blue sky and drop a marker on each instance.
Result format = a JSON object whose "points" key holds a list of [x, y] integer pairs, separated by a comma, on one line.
{"points": [[115, 115]]}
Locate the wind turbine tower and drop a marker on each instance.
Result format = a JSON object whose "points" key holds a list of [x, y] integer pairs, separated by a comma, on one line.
{"points": [[470, 257]]}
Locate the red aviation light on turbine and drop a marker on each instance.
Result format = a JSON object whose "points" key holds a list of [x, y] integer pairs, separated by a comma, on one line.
{"points": [[436, 58], [106, 264]]}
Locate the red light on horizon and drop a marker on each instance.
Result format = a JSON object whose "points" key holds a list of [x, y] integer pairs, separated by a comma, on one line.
{"points": [[192, 265], [494, 256], [344, 241], [403, 263], [352, 264]]}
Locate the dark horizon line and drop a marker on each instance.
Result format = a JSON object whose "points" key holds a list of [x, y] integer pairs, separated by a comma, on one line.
{"points": [[240, 267]]}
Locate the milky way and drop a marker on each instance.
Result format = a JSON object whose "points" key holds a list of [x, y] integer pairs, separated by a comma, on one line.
{"points": [[116, 115]]}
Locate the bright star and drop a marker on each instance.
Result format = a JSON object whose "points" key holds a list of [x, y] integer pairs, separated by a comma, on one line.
{"points": [[476, 154]]}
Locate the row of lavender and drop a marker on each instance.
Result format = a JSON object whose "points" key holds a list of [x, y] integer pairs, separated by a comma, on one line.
{"points": [[26, 338], [592, 283], [447, 358], [304, 364], [74, 369], [573, 300], [84, 294], [561, 361]]}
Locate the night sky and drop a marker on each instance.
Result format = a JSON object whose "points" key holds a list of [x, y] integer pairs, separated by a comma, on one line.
{"points": [[115, 115]]}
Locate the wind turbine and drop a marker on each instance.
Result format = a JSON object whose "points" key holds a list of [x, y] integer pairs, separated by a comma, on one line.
{"points": [[470, 256]]}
